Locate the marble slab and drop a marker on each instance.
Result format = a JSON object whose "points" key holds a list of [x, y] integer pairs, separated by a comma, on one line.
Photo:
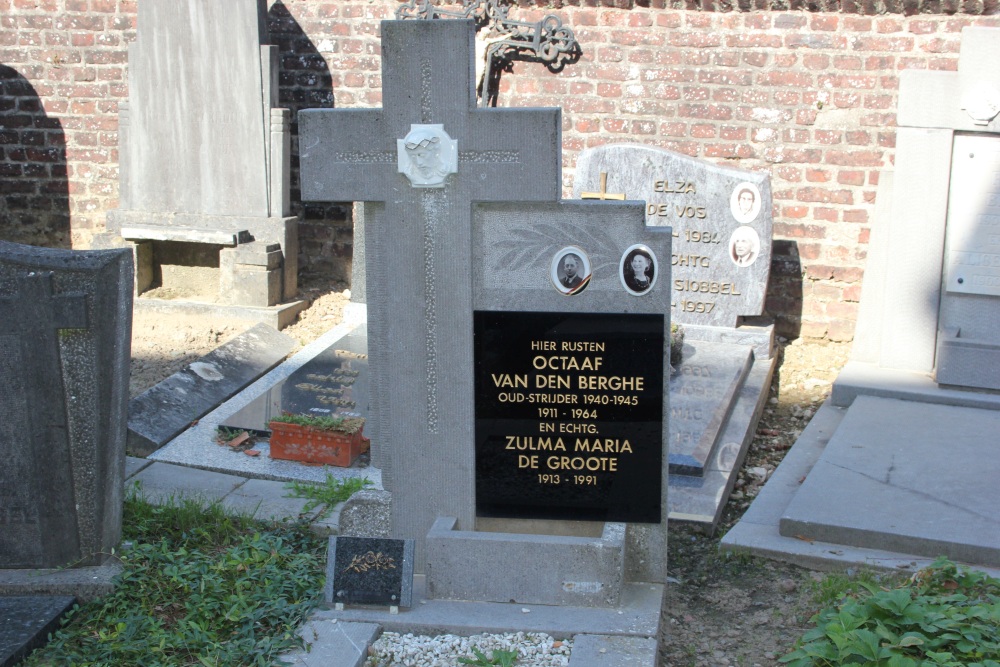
{"points": [[334, 382], [701, 499], [703, 389]]}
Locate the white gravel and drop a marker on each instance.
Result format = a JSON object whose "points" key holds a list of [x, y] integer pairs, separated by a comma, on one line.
{"points": [[533, 649]]}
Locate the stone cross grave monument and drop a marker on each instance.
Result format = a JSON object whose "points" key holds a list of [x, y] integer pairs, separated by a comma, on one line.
{"points": [[912, 425], [204, 172], [65, 327], [721, 222], [502, 335]]}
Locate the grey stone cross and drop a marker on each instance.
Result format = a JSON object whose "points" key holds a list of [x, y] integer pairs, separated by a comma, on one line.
{"points": [[423, 160], [34, 316]]}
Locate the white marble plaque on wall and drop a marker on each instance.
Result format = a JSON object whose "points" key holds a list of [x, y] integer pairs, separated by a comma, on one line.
{"points": [[973, 236]]}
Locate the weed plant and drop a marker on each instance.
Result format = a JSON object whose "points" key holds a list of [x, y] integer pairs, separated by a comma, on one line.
{"points": [[326, 495], [943, 615], [500, 658], [199, 587], [227, 434]]}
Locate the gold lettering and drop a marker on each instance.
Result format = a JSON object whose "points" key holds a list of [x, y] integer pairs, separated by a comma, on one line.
{"points": [[561, 363], [532, 444], [582, 346], [591, 463], [603, 446], [507, 380], [610, 383]]}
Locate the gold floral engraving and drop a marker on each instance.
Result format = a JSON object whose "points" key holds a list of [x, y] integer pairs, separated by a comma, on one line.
{"points": [[371, 561]]}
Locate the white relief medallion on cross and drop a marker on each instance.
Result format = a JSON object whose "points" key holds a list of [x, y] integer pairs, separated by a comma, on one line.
{"points": [[427, 156]]}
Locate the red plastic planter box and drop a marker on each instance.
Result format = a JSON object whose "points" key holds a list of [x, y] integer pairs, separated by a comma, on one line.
{"points": [[292, 442]]}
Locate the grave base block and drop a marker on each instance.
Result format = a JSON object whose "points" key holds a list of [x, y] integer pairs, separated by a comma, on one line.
{"points": [[525, 569], [83, 583], [279, 316], [637, 615]]}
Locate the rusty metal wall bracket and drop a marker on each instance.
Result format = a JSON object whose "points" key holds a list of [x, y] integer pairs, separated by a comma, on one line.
{"points": [[547, 41]]}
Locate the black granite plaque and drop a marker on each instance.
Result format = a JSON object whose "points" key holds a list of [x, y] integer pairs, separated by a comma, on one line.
{"points": [[569, 416], [368, 570], [26, 621]]}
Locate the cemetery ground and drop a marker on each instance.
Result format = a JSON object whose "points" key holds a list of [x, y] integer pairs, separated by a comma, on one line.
{"points": [[722, 610]]}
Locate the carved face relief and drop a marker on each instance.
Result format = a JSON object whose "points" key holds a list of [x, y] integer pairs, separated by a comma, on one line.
{"points": [[982, 103], [427, 156]]}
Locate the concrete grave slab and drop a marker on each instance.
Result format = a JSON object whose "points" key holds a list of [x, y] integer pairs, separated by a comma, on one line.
{"points": [[912, 462], [757, 531], [928, 462], [26, 621], [332, 643], [264, 499], [157, 415], [196, 446], [612, 651], [161, 482]]}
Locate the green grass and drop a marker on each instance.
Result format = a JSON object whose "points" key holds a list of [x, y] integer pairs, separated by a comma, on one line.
{"points": [[944, 615], [199, 587]]}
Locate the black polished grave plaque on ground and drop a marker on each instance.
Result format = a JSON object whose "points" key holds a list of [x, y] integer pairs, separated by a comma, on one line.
{"points": [[569, 416], [369, 570]]}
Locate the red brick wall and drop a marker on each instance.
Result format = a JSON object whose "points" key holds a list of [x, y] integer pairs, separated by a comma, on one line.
{"points": [[807, 96]]}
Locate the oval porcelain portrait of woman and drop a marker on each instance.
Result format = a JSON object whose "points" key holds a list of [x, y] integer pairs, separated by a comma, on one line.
{"points": [[638, 270]]}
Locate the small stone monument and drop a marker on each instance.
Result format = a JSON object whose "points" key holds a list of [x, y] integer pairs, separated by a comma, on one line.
{"points": [[911, 428], [721, 222], [204, 166], [65, 332], [508, 348]]}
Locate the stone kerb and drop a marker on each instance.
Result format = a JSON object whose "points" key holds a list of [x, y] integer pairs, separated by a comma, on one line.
{"points": [[65, 327]]}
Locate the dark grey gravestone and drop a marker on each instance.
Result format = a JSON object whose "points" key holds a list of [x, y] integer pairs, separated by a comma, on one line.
{"points": [[204, 149], [157, 415], [25, 623], [418, 244], [369, 570], [714, 281], [65, 327]]}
